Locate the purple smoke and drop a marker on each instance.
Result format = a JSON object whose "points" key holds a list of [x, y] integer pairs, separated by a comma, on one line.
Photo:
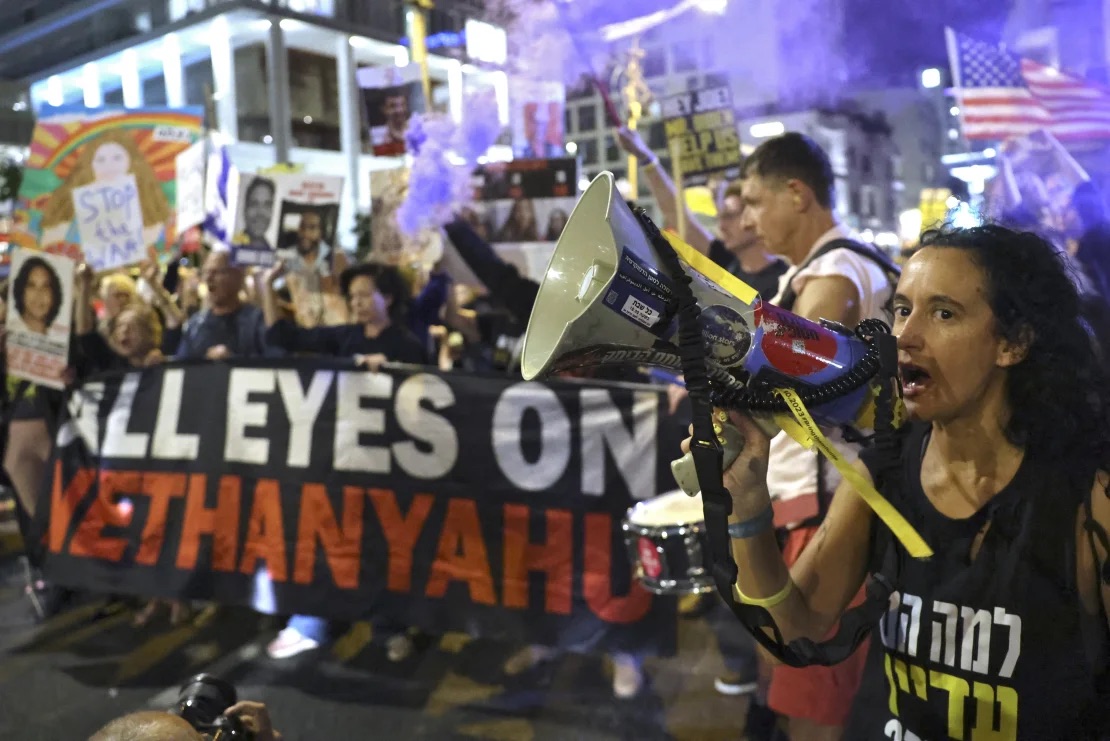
{"points": [[438, 183]]}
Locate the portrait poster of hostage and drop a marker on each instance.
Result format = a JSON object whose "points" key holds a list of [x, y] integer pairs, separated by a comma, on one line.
{"points": [[305, 239], [390, 95], [40, 301]]}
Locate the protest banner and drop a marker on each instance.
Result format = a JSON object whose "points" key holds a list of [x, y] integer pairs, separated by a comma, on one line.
{"points": [[442, 501], [76, 147], [521, 208], [702, 124], [40, 304], [190, 167], [110, 221]]}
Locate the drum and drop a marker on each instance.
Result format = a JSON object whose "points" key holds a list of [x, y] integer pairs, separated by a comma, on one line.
{"points": [[665, 538]]}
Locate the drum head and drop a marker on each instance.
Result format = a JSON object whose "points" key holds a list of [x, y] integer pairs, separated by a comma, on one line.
{"points": [[673, 508]]}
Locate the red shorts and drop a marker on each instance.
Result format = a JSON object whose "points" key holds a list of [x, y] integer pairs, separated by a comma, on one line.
{"points": [[822, 694]]}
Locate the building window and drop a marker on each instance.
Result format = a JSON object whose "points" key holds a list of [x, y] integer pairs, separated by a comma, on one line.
{"points": [[154, 90], [579, 90], [198, 81], [654, 63], [657, 135], [587, 148], [252, 93], [313, 100], [895, 167], [853, 203], [865, 165], [684, 58], [568, 121], [587, 117], [612, 151]]}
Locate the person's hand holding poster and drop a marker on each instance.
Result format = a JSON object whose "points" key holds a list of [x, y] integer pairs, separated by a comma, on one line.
{"points": [[110, 222], [40, 301]]}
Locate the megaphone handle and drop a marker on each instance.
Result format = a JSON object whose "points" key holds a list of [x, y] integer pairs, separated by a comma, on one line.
{"points": [[732, 444]]}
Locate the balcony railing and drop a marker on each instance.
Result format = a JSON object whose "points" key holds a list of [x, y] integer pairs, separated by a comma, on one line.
{"points": [[48, 33]]}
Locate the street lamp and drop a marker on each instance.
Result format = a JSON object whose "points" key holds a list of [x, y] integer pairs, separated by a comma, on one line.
{"points": [[930, 78]]}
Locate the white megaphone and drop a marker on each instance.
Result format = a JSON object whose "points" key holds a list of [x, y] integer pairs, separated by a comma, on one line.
{"points": [[606, 300]]}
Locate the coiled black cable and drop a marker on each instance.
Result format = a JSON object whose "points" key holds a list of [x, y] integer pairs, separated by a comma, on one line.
{"points": [[762, 398]]}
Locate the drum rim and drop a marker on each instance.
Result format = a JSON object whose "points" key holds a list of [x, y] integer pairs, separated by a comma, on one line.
{"points": [[676, 529]]}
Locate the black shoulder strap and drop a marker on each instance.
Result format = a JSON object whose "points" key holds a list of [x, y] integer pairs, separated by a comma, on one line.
{"points": [[790, 296]]}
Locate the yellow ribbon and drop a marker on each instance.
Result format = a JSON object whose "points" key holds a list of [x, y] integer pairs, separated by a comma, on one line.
{"points": [[801, 427], [712, 270]]}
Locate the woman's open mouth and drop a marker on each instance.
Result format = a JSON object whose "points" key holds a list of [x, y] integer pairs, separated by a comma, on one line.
{"points": [[915, 379]]}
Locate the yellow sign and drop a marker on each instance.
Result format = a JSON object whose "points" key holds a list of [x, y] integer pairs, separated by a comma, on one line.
{"points": [[702, 125]]}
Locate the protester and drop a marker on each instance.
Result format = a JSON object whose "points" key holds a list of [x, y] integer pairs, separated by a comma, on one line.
{"points": [[1009, 403], [378, 300], [788, 186], [117, 290], [738, 249], [226, 327], [158, 725]]}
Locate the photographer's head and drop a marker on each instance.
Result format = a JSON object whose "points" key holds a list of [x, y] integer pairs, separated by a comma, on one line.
{"points": [[148, 725], [788, 190]]}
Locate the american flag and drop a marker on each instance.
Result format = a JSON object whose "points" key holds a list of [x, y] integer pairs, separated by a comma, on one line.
{"points": [[1002, 96]]}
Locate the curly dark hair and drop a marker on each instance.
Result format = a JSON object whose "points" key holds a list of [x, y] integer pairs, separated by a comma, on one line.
{"points": [[24, 276], [388, 280], [1058, 394]]}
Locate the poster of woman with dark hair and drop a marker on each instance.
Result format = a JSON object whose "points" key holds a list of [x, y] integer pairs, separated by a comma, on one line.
{"points": [[40, 300]]}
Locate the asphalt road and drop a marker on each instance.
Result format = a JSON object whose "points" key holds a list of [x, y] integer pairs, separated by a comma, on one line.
{"points": [[68, 676]]}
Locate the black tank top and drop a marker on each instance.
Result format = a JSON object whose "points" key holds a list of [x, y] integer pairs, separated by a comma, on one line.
{"points": [[997, 648]]}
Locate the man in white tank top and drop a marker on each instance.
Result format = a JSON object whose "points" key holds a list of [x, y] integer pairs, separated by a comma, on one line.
{"points": [[789, 195]]}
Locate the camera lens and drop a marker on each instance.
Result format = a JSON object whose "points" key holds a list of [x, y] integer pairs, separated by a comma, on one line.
{"points": [[203, 699]]}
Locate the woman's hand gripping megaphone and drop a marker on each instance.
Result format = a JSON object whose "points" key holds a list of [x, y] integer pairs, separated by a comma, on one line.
{"points": [[746, 444]]}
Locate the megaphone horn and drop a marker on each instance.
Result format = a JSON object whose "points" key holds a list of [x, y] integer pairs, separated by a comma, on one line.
{"points": [[605, 300]]}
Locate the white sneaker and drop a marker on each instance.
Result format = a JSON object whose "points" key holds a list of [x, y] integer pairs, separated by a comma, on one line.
{"points": [[628, 678], [289, 643], [733, 685], [399, 647]]}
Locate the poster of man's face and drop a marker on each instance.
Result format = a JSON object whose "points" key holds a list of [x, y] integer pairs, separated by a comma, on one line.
{"points": [[252, 239], [308, 229], [389, 98]]}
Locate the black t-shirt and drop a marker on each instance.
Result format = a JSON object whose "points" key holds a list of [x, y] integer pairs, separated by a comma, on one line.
{"points": [[998, 643], [765, 282], [395, 342]]}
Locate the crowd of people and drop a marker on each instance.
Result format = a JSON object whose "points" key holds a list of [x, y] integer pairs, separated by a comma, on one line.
{"points": [[1003, 468]]}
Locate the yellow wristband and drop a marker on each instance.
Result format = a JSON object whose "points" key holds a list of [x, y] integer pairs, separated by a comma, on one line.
{"points": [[767, 602]]}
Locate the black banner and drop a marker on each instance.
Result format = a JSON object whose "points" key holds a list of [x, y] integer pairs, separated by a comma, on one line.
{"points": [[443, 501]]}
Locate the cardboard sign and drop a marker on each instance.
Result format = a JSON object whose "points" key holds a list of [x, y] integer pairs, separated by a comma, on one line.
{"points": [[704, 125], [110, 222], [40, 301]]}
